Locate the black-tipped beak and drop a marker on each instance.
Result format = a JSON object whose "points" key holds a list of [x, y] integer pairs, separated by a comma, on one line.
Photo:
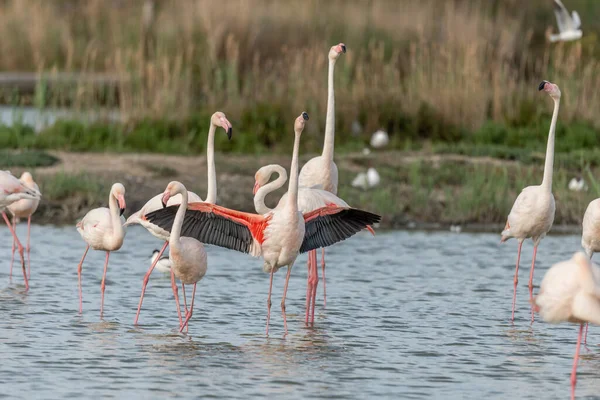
{"points": [[122, 210], [541, 87], [344, 48], [305, 115], [229, 133], [164, 204]]}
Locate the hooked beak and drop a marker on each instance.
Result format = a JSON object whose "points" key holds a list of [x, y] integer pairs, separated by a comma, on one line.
{"points": [[225, 124], [344, 48], [256, 187], [121, 201], [305, 115], [165, 199], [542, 85]]}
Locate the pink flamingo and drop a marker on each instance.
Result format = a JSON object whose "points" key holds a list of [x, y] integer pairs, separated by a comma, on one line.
{"points": [[12, 190], [279, 236], [570, 292], [309, 199], [532, 213], [24, 208], [321, 170], [216, 120], [102, 229], [187, 255]]}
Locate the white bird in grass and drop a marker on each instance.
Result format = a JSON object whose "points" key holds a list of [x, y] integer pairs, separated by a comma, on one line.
{"points": [[570, 292], [379, 139], [577, 184], [366, 180], [568, 25], [163, 264], [532, 213]]}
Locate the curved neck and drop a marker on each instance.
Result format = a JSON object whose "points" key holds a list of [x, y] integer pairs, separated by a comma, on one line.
{"points": [[549, 165], [115, 216], [259, 197], [293, 185], [178, 222], [211, 194], [330, 119]]}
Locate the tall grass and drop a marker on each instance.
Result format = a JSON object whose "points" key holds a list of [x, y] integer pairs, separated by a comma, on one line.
{"points": [[427, 69]]}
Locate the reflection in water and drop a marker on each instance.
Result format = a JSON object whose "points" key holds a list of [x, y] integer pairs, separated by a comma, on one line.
{"points": [[411, 315]]}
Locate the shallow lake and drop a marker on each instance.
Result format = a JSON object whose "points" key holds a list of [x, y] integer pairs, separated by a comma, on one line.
{"points": [[409, 315]]}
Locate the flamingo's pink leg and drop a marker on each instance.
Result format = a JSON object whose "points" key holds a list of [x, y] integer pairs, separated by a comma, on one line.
{"points": [[189, 315], [308, 288], [79, 267], [315, 284], [516, 281], [20, 246], [146, 278], [585, 337], [28, 247], [324, 284], [174, 287], [531, 281], [269, 300], [184, 304], [575, 360], [285, 287], [103, 285], [12, 257]]}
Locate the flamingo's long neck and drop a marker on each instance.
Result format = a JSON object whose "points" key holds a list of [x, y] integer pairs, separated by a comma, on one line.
{"points": [[178, 222], [211, 194], [115, 216], [259, 197], [330, 119], [293, 185], [549, 165]]}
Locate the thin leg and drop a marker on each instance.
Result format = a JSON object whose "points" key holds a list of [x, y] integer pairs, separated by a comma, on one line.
{"points": [[12, 257], [20, 246], [315, 284], [103, 285], [28, 248], [145, 283], [324, 284], [512, 318], [269, 300], [189, 315], [308, 289], [585, 337], [184, 304], [79, 277], [174, 287], [531, 281], [575, 360], [285, 287]]}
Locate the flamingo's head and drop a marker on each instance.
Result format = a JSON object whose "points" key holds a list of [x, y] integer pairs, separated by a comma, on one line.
{"points": [[551, 88], [26, 178], [261, 177], [336, 50], [219, 119], [173, 188], [118, 192], [300, 121]]}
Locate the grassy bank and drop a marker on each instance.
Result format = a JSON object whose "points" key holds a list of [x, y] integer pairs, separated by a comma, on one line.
{"points": [[416, 188]]}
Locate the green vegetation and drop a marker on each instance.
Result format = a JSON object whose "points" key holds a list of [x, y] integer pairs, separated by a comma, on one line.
{"points": [[80, 186], [26, 159]]}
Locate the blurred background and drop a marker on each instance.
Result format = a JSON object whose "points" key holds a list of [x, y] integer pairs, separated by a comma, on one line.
{"points": [[453, 84]]}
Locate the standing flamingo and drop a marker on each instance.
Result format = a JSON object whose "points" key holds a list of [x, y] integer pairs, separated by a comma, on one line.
{"points": [[570, 292], [309, 199], [24, 208], [102, 229], [532, 213], [12, 190], [590, 238], [322, 170], [187, 255], [279, 236], [216, 120]]}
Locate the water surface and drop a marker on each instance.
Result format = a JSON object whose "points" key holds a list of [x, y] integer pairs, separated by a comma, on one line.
{"points": [[409, 315]]}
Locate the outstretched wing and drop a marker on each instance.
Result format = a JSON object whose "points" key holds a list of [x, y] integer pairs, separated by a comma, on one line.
{"points": [[219, 226], [329, 225], [576, 20], [563, 19]]}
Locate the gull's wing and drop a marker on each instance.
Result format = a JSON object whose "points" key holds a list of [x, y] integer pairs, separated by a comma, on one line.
{"points": [[563, 19], [576, 20]]}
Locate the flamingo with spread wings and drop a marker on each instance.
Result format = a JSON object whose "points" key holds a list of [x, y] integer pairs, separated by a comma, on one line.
{"points": [[278, 236]]}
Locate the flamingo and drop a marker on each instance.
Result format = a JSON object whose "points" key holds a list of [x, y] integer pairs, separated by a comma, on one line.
{"points": [[187, 255], [532, 213], [102, 229], [216, 120], [279, 236], [24, 208], [309, 199], [570, 292], [590, 237], [11, 191], [322, 170], [163, 264]]}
